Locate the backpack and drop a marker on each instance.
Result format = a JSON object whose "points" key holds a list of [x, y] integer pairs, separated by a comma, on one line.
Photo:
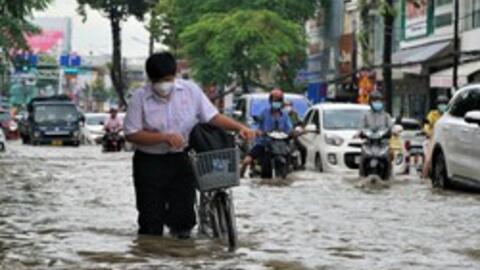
{"points": [[207, 137]]}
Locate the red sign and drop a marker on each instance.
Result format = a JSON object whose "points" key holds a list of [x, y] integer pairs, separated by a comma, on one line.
{"points": [[45, 41], [366, 85]]}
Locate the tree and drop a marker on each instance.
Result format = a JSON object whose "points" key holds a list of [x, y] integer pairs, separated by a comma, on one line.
{"points": [[117, 11], [14, 24], [238, 45]]}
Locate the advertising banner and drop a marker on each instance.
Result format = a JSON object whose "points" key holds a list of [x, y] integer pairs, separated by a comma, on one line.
{"points": [[416, 18], [366, 85], [45, 42]]}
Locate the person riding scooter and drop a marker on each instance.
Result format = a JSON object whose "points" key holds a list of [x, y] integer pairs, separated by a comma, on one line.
{"points": [[112, 126], [432, 118], [271, 119], [299, 130], [377, 120]]}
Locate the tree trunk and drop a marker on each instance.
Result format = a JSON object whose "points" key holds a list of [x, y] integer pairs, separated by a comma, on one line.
{"points": [[116, 72], [244, 83], [387, 58], [151, 44]]}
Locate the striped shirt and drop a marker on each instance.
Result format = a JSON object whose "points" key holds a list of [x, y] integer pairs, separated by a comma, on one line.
{"points": [[186, 107]]}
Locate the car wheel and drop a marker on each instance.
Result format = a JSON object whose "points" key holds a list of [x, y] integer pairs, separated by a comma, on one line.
{"points": [[440, 174], [318, 163]]}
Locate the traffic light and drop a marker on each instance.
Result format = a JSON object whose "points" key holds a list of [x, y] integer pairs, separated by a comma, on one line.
{"points": [[25, 62]]}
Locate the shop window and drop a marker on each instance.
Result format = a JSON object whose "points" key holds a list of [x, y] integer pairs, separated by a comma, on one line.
{"points": [[440, 3], [443, 20]]}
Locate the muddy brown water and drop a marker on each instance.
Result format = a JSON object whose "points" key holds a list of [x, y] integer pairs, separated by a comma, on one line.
{"points": [[73, 208]]}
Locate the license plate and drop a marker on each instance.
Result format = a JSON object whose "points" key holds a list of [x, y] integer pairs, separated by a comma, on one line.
{"points": [[57, 142], [357, 160]]}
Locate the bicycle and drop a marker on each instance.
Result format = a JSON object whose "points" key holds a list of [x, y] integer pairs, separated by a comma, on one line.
{"points": [[216, 172]]}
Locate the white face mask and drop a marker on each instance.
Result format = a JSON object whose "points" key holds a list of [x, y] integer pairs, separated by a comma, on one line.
{"points": [[163, 89]]}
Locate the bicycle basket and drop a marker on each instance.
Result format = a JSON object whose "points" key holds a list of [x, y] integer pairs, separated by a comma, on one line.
{"points": [[216, 169]]}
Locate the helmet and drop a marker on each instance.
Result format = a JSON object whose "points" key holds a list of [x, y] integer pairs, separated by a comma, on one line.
{"points": [[276, 93], [442, 100], [113, 110], [376, 95]]}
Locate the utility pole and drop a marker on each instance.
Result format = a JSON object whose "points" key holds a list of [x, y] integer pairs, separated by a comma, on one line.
{"points": [[456, 45], [387, 56]]}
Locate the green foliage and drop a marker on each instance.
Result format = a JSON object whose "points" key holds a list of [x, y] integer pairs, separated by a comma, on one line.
{"points": [[14, 24], [223, 47], [117, 9]]}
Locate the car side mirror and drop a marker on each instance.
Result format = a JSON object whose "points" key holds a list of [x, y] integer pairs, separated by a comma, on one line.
{"points": [[473, 117], [312, 129]]}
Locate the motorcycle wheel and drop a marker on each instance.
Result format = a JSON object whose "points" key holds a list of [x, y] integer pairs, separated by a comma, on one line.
{"points": [[281, 169]]}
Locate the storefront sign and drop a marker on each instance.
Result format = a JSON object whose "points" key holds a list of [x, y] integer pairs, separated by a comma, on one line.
{"points": [[416, 18], [366, 85]]}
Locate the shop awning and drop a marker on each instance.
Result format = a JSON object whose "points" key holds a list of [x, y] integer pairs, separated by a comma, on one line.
{"points": [[444, 78], [418, 54]]}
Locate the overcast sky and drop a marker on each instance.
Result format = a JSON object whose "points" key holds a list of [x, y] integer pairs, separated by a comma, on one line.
{"points": [[94, 35]]}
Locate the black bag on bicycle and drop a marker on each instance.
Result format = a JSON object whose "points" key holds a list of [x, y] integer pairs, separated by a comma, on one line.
{"points": [[207, 137]]}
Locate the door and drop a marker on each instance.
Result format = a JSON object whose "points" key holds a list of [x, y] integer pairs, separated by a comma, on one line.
{"points": [[308, 138], [473, 135], [459, 139]]}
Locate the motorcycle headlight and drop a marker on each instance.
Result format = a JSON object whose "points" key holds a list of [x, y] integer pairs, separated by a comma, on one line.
{"points": [[13, 126], [37, 134], [334, 140], [76, 133]]}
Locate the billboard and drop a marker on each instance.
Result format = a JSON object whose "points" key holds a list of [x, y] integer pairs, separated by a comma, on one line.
{"points": [[416, 18], [45, 42]]}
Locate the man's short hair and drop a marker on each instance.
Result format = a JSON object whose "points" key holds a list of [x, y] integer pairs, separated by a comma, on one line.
{"points": [[161, 65]]}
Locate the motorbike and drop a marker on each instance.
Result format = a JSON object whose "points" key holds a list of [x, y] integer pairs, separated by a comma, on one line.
{"points": [[113, 141], [375, 161], [280, 157]]}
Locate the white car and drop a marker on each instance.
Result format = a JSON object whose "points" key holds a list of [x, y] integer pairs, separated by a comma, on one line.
{"points": [[334, 146], [93, 131], [3, 141], [456, 151]]}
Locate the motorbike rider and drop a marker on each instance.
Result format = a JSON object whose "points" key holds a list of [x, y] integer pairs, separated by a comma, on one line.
{"points": [[298, 126], [271, 119], [377, 119], [113, 123], [429, 126]]}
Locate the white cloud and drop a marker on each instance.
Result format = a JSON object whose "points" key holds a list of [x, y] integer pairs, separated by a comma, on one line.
{"points": [[95, 35]]}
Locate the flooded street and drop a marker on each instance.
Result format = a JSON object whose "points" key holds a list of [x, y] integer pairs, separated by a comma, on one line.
{"points": [[73, 208]]}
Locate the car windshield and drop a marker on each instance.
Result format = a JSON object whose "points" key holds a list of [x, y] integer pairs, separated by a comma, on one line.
{"points": [[95, 120], [55, 113], [348, 119], [4, 116], [258, 105]]}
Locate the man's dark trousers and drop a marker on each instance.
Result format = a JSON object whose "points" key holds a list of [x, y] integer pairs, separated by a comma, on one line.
{"points": [[164, 187]]}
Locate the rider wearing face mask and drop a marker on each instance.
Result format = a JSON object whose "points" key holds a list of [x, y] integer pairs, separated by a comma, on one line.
{"points": [[377, 118], [434, 115], [429, 126], [271, 119]]}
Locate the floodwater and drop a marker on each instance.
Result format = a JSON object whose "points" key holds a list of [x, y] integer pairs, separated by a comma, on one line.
{"points": [[73, 208]]}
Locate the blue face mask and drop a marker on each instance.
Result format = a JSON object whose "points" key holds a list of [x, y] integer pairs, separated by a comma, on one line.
{"points": [[276, 105], [377, 106]]}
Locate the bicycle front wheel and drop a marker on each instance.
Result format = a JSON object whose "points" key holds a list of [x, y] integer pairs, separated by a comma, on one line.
{"points": [[226, 216]]}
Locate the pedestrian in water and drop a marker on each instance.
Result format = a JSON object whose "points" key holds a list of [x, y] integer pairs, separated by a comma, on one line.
{"points": [[159, 119]]}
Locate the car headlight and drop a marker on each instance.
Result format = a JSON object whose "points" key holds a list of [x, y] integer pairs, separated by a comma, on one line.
{"points": [[334, 140]]}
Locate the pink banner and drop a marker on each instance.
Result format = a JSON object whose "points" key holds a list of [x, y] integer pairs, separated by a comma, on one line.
{"points": [[45, 41]]}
